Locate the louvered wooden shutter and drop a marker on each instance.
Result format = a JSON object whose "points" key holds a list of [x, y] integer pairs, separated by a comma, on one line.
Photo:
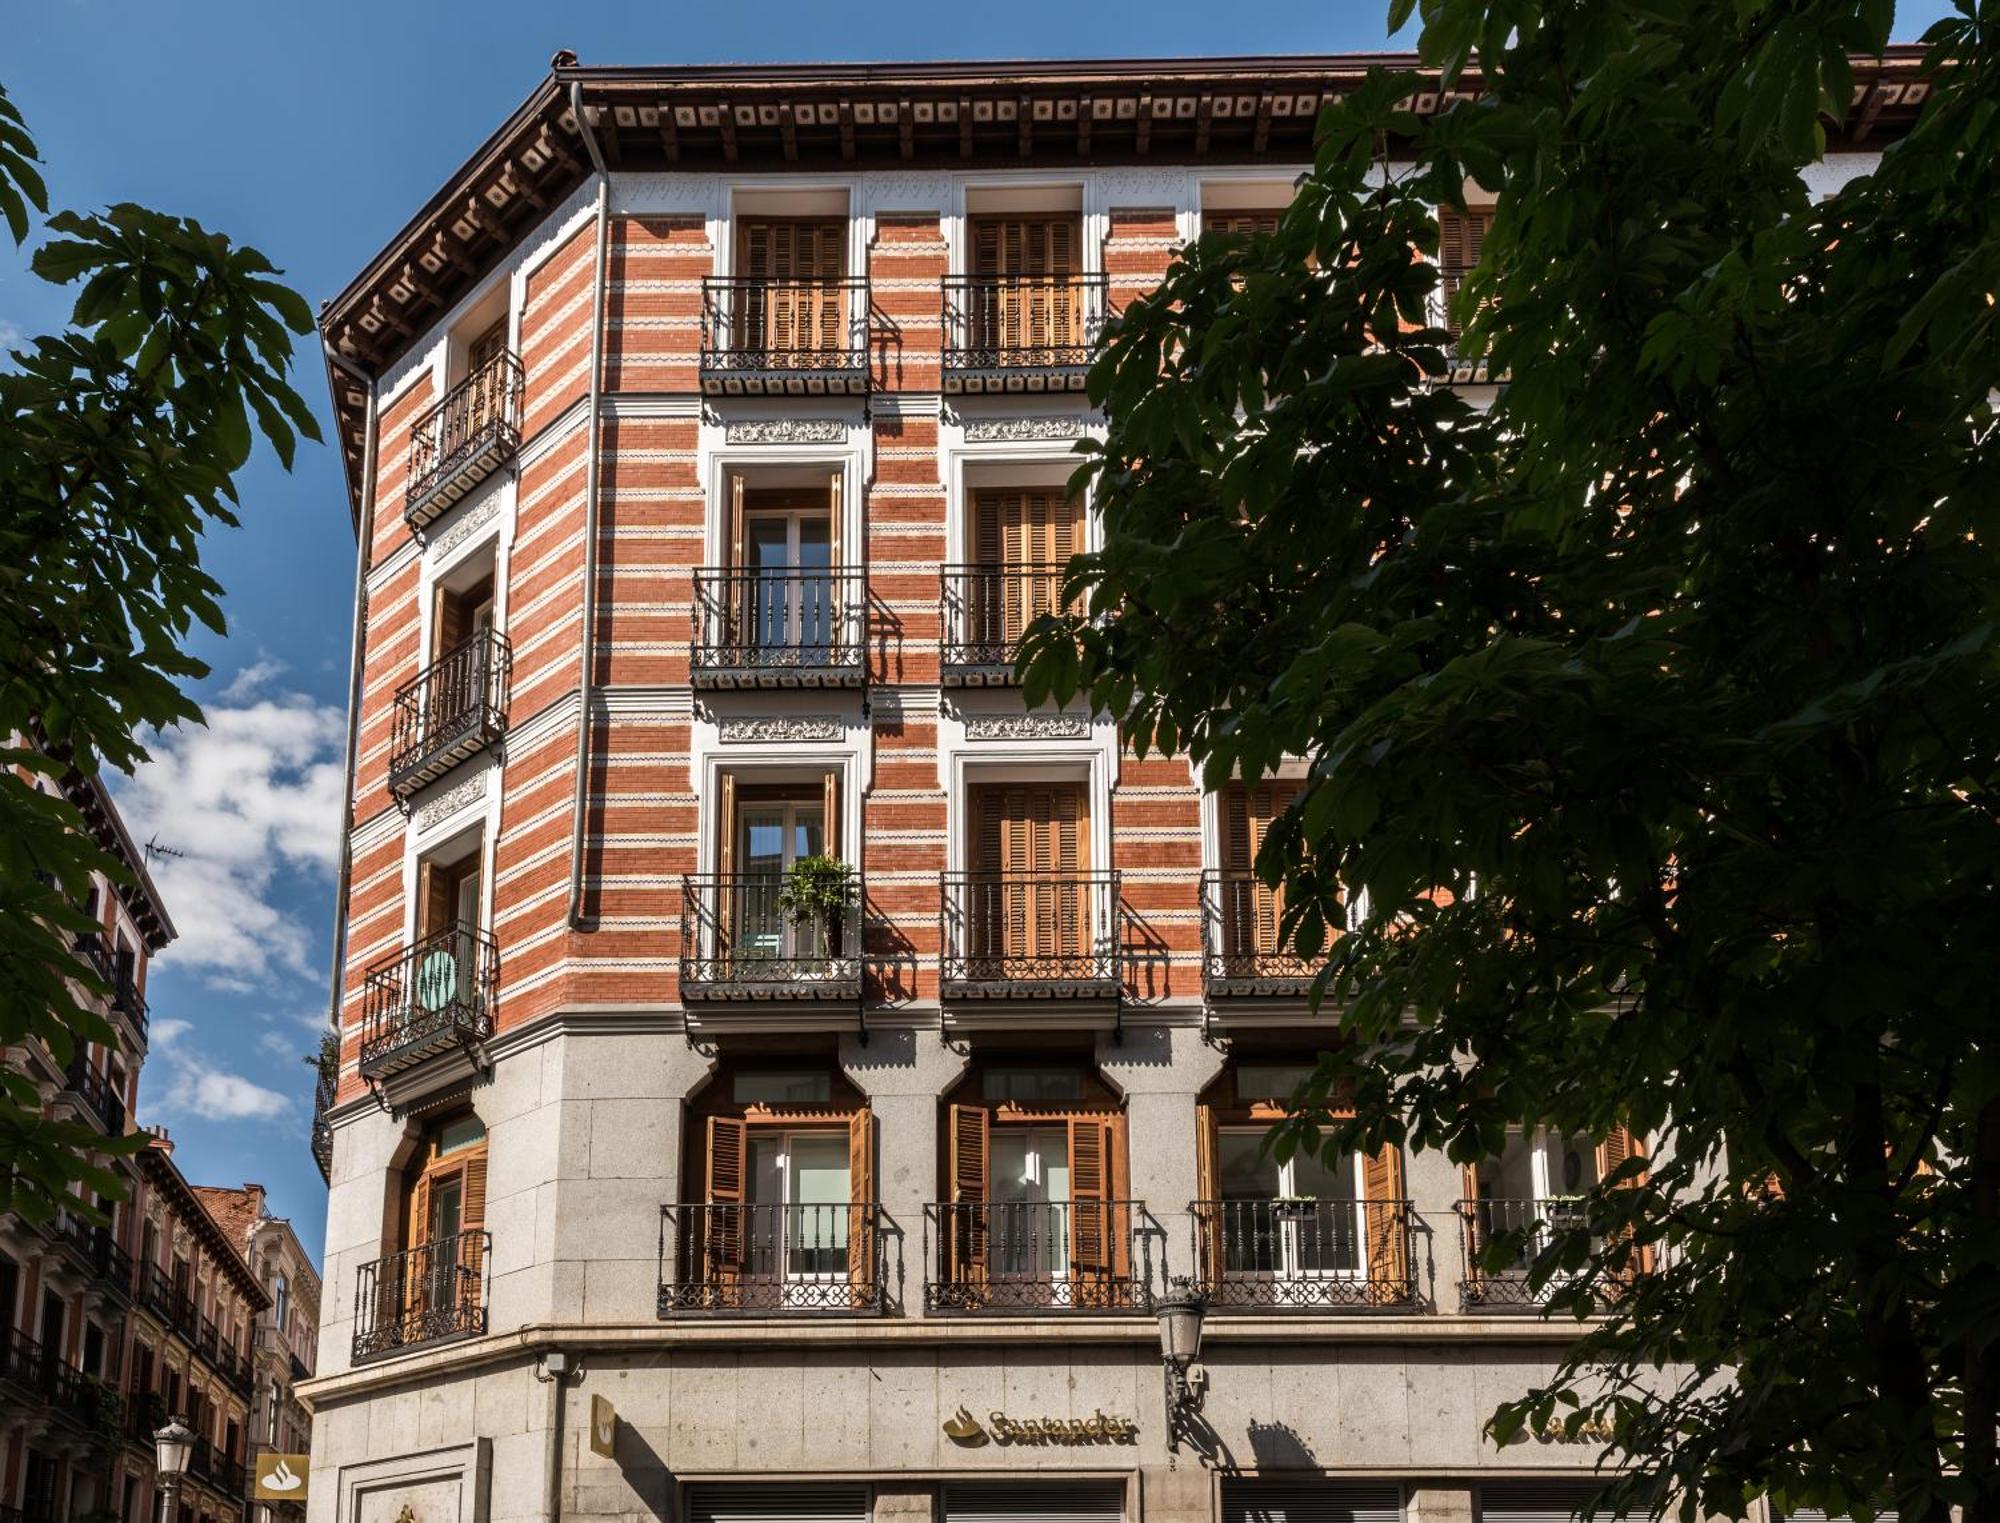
{"points": [[1388, 1243], [472, 1222], [1461, 235], [728, 1149], [966, 1245], [829, 795], [1208, 1187], [1098, 1252], [1240, 224], [448, 623], [1248, 812], [434, 909], [1475, 1235], [1617, 1147], [861, 1197]]}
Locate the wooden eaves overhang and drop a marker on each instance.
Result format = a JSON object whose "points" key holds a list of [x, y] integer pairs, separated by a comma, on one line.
{"points": [[835, 117], [165, 1175]]}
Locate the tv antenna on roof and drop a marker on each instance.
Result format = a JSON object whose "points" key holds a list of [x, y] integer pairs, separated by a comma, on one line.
{"points": [[153, 849]]}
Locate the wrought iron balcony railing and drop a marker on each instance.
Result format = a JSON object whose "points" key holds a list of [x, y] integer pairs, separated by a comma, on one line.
{"points": [[1015, 935], [762, 336], [158, 1295], [1463, 369], [983, 612], [771, 1259], [92, 1245], [1242, 951], [22, 1361], [1305, 1255], [100, 1100], [322, 1129], [145, 1415], [422, 1295], [1056, 1255], [1526, 1226], [454, 708], [125, 999], [1021, 333], [779, 627], [437, 995], [464, 439], [737, 944]]}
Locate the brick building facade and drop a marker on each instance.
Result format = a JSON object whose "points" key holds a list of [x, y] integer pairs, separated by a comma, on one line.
{"points": [[709, 435]]}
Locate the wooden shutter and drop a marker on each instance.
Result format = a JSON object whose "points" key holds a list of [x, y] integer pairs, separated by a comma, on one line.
{"points": [[1388, 1239], [728, 1152], [829, 794], [448, 623], [472, 1209], [861, 1198], [1253, 908], [1461, 235], [486, 348], [1612, 1153], [1100, 1256], [1029, 536], [1475, 1228], [434, 907], [1240, 224], [1208, 1187], [965, 1234]]}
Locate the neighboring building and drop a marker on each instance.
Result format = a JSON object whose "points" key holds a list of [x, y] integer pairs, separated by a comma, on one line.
{"points": [[769, 378], [286, 1336], [191, 1344], [66, 1286]]}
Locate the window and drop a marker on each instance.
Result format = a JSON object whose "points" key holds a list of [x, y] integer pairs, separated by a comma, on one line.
{"points": [[444, 1216], [782, 599], [1315, 1226], [1246, 223], [448, 892], [1026, 295], [1022, 541], [1029, 909], [281, 1302], [788, 297], [1532, 1189], [1272, 1081], [1545, 1166], [765, 829], [1461, 236], [783, 1087], [1039, 1085]]}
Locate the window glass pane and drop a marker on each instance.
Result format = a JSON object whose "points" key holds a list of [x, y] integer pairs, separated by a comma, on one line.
{"points": [[765, 544], [783, 1088], [1247, 1171], [1033, 1084], [763, 840], [1511, 1176], [1571, 1163], [767, 1182], [1270, 1081], [815, 544], [446, 1202], [463, 1133], [1311, 1176], [808, 831]]}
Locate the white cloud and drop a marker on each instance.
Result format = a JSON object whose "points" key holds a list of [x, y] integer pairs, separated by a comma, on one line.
{"points": [[166, 1032], [218, 1096], [252, 799]]}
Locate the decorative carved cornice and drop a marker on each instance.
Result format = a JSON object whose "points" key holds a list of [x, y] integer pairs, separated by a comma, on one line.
{"points": [[467, 524], [740, 729], [1027, 727], [1012, 430], [458, 796], [786, 431]]}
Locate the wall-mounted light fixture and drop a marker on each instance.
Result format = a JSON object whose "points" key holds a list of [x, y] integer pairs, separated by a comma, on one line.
{"points": [[1180, 1312]]}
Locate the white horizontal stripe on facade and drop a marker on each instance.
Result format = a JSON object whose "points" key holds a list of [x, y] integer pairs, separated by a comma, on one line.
{"points": [[1246, 1500]]}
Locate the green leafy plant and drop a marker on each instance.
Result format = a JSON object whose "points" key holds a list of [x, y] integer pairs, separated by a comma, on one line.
{"points": [[120, 441], [1652, 699], [818, 891]]}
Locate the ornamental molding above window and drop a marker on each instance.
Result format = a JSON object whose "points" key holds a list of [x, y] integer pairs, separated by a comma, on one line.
{"points": [[751, 728], [446, 804], [786, 431], [469, 523], [1027, 727], [1014, 430]]}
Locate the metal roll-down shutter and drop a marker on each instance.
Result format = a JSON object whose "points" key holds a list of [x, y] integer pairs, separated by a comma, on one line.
{"points": [[1316, 1500], [757, 1503], [1534, 1501], [1034, 1502]]}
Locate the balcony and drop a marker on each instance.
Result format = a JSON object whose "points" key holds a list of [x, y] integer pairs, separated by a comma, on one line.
{"points": [[437, 996], [156, 1293], [93, 1252], [473, 432], [737, 944], [1242, 953], [422, 1296], [1039, 1256], [22, 1363], [1020, 333], [453, 709], [779, 628], [771, 1260], [93, 1091], [983, 612], [1305, 1255], [1529, 1226], [145, 1415], [125, 998], [1029, 935], [322, 1128], [768, 337]]}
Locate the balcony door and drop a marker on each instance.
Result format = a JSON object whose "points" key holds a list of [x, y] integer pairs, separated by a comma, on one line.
{"points": [[1292, 1220], [486, 380], [1027, 297], [1022, 541], [1250, 909], [770, 828], [1028, 900], [444, 1214], [804, 1177], [784, 550], [789, 299]]}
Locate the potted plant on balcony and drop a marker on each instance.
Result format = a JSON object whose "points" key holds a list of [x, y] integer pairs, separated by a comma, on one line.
{"points": [[818, 891], [1294, 1208]]}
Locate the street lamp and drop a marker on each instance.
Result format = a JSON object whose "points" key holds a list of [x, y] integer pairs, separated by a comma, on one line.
{"points": [[171, 1447], [1180, 1313]]}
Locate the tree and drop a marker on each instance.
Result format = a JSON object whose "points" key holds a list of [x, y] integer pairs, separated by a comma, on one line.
{"points": [[1652, 715], [120, 439]]}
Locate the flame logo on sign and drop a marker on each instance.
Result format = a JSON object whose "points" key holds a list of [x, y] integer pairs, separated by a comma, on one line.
{"points": [[604, 1430], [282, 1478], [963, 1428]]}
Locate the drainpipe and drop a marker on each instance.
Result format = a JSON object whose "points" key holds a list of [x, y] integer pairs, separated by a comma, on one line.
{"points": [[587, 658], [343, 873]]}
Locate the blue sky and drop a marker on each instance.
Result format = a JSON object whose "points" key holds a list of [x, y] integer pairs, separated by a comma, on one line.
{"points": [[312, 132]]}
